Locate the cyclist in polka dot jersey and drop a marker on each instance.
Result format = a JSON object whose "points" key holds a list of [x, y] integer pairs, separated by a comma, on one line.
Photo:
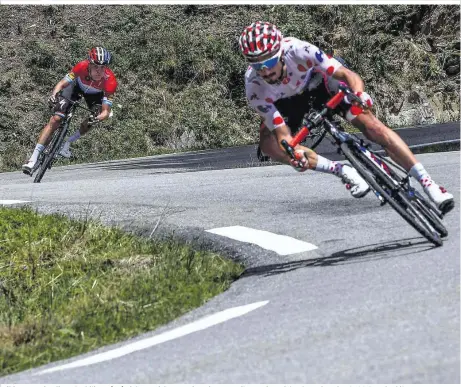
{"points": [[287, 77]]}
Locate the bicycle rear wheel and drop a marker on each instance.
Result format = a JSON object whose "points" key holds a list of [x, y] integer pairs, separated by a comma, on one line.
{"points": [[382, 184], [432, 214]]}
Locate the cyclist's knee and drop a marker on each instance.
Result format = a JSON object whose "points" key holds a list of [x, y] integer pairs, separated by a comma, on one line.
{"points": [[56, 118]]}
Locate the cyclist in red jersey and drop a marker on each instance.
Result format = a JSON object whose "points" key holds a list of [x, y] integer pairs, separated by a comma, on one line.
{"points": [[90, 78]]}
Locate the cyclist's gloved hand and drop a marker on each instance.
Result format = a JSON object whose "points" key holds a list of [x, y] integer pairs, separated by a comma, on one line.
{"points": [[300, 164], [52, 100], [364, 97]]}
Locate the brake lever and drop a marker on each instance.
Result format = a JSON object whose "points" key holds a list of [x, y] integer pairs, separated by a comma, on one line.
{"points": [[352, 97], [355, 98], [291, 152]]}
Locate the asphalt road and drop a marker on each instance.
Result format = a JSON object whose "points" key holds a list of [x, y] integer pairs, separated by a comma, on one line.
{"points": [[374, 303]]}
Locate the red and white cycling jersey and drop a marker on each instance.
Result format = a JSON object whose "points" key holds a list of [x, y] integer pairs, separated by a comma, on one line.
{"points": [[80, 75], [301, 59]]}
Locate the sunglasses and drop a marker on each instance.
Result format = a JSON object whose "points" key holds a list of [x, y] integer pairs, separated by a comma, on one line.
{"points": [[97, 66], [269, 63]]}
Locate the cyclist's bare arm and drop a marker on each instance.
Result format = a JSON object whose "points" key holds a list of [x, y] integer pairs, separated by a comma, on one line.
{"points": [[352, 79], [283, 133], [106, 107], [62, 84]]}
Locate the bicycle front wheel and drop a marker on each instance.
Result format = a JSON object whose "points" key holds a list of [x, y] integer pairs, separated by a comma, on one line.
{"points": [[46, 163], [49, 157], [396, 198]]}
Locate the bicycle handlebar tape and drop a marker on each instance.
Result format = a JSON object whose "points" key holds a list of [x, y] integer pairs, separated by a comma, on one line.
{"points": [[300, 136], [353, 112], [336, 100]]}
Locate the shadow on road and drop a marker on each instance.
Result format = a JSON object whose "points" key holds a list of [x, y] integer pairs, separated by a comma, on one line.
{"points": [[371, 252]]}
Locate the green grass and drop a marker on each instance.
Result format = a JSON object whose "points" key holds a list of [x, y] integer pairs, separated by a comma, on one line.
{"points": [[68, 287]]}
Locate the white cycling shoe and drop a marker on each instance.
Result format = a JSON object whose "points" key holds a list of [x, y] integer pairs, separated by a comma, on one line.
{"points": [[357, 185], [441, 197], [65, 150], [28, 167]]}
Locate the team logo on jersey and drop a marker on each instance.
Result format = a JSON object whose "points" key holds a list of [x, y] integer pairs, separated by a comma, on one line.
{"points": [[253, 97], [264, 109], [319, 56], [306, 48]]}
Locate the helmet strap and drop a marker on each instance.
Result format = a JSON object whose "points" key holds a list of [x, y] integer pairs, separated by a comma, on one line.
{"points": [[283, 73], [89, 72]]}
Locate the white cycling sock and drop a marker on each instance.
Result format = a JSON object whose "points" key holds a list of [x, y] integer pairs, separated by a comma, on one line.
{"points": [[74, 137], [328, 166], [419, 173], [38, 149]]}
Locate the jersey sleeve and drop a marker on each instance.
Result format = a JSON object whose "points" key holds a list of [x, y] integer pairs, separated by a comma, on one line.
{"points": [[110, 87], [311, 56], [263, 104], [78, 69]]}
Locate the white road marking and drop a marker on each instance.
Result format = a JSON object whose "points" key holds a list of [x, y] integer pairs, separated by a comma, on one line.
{"points": [[281, 244], [195, 326], [6, 202]]}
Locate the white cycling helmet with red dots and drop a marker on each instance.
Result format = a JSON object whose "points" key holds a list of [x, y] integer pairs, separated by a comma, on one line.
{"points": [[260, 38]]}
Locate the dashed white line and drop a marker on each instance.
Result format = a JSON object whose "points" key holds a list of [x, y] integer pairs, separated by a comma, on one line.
{"points": [[281, 244], [7, 202], [195, 326]]}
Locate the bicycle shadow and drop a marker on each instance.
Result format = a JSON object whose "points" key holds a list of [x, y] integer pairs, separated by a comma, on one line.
{"points": [[372, 252]]}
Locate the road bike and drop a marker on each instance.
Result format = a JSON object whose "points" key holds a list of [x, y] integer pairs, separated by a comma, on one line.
{"points": [[390, 183], [51, 152]]}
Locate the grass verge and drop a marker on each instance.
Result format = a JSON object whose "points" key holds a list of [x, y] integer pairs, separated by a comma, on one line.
{"points": [[68, 287]]}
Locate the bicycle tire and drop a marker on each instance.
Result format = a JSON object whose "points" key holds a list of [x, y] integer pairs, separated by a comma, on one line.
{"points": [[49, 158], [47, 161], [401, 204], [427, 208], [433, 219]]}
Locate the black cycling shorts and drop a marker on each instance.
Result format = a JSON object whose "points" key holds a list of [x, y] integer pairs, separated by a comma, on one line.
{"points": [[317, 92], [73, 92]]}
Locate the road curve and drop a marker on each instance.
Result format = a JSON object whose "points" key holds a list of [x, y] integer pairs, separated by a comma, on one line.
{"points": [[374, 303]]}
